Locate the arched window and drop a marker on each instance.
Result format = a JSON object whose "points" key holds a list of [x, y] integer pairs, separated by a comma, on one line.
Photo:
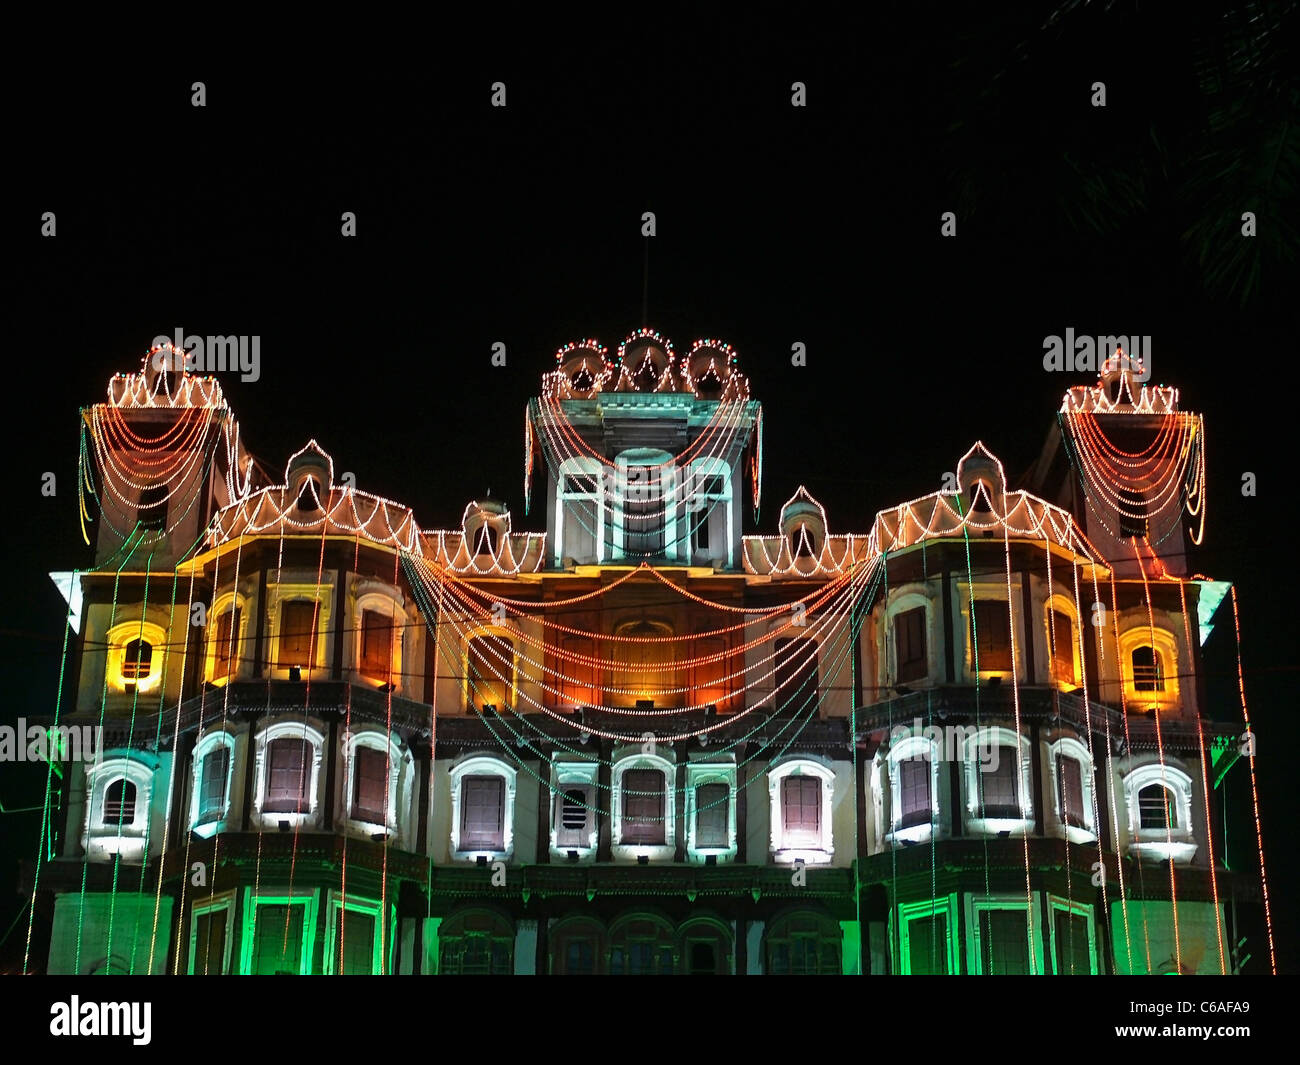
{"points": [[705, 948], [577, 947], [1148, 671], [483, 802], [1157, 808], [214, 780], [998, 765], [153, 507], [1072, 785], [800, 791], [476, 943], [137, 660], [641, 946], [119, 804], [644, 822], [803, 944]]}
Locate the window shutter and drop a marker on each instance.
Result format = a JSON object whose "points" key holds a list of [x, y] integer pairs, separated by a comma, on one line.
{"points": [[909, 636], [212, 785], [225, 653], [572, 816], [992, 635], [289, 762], [712, 815], [298, 633], [643, 806], [1001, 791], [801, 811], [376, 645], [1069, 779], [210, 942], [369, 785], [482, 818], [1062, 648], [914, 778]]}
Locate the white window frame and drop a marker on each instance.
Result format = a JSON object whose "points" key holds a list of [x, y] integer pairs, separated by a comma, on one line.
{"points": [[580, 467], [296, 730], [379, 599], [1070, 747], [575, 774], [973, 743], [1177, 845], [669, 477], [909, 597], [701, 470], [224, 901], [484, 765], [780, 852], [1141, 634], [699, 774], [665, 851], [1031, 907], [129, 841], [902, 750], [399, 770], [206, 745]]}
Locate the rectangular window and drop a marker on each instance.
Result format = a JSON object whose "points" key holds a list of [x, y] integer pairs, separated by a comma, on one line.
{"points": [[212, 785], [909, 639], [298, 633], [579, 957], [991, 637], [370, 785], [289, 762], [482, 813], [643, 806], [1069, 781], [376, 645], [796, 676], [1004, 942], [801, 811], [356, 953], [711, 815], [277, 940], [1071, 940], [1000, 786], [210, 942], [1062, 648], [914, 778], [490, 664], [225, 655], [927, 945]]}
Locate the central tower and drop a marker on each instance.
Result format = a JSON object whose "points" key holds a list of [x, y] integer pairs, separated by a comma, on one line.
{"points": [[645, 453]]}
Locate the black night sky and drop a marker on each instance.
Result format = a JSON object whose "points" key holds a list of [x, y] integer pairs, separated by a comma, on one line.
{"points": [[776, 225]]}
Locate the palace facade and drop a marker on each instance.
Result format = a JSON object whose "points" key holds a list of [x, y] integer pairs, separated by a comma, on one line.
{"points": [[973, 737]]}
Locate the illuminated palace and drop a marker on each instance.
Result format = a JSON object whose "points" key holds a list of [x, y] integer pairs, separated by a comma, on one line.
{"points": [[971, 738]]}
